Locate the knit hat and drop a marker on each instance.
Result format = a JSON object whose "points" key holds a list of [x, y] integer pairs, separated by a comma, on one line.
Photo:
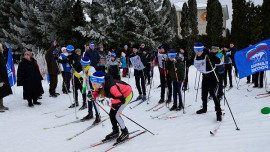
{"points": [[98, 77], [92, 45], [198, 47], [85, 61], [70, 49], [142, 44], [113, 54], [171, 54], [100, 46], [214, 47], [135, 46], [63, 48], [126, 46]]}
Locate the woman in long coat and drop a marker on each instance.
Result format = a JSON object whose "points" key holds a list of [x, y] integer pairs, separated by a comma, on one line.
{"points": [[5, 88], [29, 77]]}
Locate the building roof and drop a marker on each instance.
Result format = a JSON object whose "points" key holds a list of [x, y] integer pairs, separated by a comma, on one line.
{"points": [[179, 5]]}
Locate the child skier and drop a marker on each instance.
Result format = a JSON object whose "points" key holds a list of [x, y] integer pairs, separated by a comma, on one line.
{"points": [[87, 72], [137, 63], [124, 64], [176, 69], [205, 62], [120, 94], [164, 75], [113, 66]]}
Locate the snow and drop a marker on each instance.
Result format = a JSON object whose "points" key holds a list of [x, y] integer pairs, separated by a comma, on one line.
{"points": [[22, 127]]}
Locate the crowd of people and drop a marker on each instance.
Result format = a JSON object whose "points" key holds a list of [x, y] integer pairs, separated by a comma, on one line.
{"points": [[96, 73]]}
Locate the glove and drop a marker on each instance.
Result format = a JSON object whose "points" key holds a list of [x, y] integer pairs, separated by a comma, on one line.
{"points": [[2, 84], [106, 103]]}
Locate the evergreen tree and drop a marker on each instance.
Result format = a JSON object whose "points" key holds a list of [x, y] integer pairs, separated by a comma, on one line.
{"points": [[185, 28], [239, 30], [214, 19], [266, 18], [254, 23], [193, 20]]}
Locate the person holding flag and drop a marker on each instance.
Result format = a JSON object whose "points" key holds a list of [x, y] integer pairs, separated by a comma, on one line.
{"points": [[5, 88]]}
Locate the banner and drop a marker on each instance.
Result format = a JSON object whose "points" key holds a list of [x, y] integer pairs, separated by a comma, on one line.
{"points": [[253, 59], [10, 68]]}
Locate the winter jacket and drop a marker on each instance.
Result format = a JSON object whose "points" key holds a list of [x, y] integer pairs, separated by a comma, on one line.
{"points": [[228, 57], [113, 67], [51, 62], [115, 89], [147, 59], [124, 62], [103, 57], [176, 67], [127, 52], [162, 60], [77, 63], [28, 76], [5, 90], [64, 63], [206, 56], [220, 67], [94, 56]]}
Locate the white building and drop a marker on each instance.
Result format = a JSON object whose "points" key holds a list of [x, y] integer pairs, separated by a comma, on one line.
{"points": [[201, 16]]}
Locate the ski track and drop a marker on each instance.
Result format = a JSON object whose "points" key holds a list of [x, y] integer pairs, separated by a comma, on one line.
{"points": [[22, 127]]}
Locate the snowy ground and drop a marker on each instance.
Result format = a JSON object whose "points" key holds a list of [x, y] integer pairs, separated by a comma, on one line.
{"points": [[21, 128]]}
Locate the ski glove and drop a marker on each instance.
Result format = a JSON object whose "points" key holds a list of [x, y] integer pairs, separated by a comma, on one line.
{"points": [[106, 103], [2, 84]]}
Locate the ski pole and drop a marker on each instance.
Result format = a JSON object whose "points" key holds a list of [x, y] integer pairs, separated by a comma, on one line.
{"points": [[198, 87], [124, 116], [66, 89], [195, 80], [224, 95], [184, 89]]}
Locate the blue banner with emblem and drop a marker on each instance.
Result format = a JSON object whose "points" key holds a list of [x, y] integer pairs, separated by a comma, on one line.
{"points": [[10, 68], [253, 59]]}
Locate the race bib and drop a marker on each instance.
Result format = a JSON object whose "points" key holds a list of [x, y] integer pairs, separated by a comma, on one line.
{"points": [[200, 65], [137, 63]]}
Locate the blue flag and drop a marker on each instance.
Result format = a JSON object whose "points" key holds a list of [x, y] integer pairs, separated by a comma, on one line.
{"points": [[253, 59], [11, 69]]}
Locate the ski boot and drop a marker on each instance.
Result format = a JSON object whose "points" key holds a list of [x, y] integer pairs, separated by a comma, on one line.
{"points": [[87, 117], [203, 110], [97, 120], [173, 107], [112, 135], [84, 106], [124, 136], [161, 101], [179, 108], [144, 98], [219, 117], [139, 97], [76, 104]]}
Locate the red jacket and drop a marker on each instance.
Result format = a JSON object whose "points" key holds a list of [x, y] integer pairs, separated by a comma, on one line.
{"points": [[116, 89]]}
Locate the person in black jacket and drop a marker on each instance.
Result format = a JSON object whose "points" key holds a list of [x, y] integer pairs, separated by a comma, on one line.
{"points": [[185, 57], [147, 58], [137, 63], [93, 54], [205, 62], [28, 76], [5, 88]]}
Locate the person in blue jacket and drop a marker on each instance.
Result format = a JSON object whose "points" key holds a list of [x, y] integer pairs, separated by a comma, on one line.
{"points": [[93, 54]]}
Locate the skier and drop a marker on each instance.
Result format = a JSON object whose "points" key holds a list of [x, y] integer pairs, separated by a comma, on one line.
{"points": [[113, 66], [147, 58], [120, 94], [176, 70], [164, 75], [219, 70], [76, 64], [184, 55], [228, 66], [136, 61], [86, 74], [205, 62]]}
